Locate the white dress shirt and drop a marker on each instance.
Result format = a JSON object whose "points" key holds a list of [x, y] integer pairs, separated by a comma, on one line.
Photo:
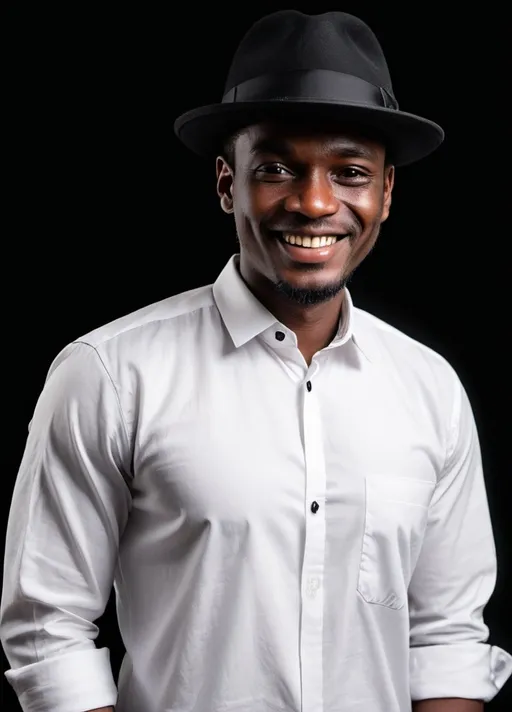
{"points": [[281, 538]]}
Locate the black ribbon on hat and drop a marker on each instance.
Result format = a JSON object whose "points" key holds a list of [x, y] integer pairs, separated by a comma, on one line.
{"points": [[314, 85]]}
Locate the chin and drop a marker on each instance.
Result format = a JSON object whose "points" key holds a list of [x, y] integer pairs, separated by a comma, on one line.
{"points": [[313, 275], [301, 289]]}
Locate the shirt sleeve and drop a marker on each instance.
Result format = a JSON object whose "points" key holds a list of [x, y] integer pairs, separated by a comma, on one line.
{"points": [[70, 504], [454, 579]]}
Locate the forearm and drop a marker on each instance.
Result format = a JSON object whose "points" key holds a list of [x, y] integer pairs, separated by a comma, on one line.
{"points": [[448, 704]]}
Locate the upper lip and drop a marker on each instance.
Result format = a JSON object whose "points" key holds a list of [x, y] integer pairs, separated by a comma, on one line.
{"points": [[311, 233]]}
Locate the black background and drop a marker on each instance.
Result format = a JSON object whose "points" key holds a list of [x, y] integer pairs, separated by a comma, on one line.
{"points": [[99, 193]]}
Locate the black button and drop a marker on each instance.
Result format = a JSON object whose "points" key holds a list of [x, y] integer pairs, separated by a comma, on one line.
{"points": [[309, 386], [315, 507], [279, 336]]}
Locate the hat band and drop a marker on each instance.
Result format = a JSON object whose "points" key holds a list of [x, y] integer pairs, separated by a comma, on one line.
{"points": [[314, 85]]}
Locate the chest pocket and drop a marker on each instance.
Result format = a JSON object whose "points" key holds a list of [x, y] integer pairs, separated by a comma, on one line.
{"points": [[396, 512]]}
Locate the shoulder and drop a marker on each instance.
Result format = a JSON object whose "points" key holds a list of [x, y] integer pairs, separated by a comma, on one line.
{"points": [[405, 359], [161, 315]]}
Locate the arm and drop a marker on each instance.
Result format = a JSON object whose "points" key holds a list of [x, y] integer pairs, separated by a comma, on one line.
{"points": [[452, 582], [69, 507]]}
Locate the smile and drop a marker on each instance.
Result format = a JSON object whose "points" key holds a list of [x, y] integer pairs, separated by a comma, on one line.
{"points": [[310, 241], [308, 249]]}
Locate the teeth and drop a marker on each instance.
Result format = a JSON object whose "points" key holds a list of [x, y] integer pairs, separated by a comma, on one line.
{"points": [[323, 241]]}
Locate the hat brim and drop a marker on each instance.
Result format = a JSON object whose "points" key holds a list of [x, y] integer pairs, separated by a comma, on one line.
{"points": [[408, 137]]}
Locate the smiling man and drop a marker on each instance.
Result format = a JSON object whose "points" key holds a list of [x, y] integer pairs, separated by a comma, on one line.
{"points": [[286, 492]]}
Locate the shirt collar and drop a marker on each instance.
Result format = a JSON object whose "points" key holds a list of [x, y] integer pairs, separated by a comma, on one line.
{"points": [[245, 317]]}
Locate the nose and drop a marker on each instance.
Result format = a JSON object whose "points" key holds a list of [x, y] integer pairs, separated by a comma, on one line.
{"points": [[312, 196]]}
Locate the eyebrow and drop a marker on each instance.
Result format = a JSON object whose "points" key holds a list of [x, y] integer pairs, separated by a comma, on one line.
{"points": [[341, 149]]}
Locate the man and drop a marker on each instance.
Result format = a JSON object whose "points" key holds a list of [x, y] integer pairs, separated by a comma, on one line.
{"points": [[286, 492]]}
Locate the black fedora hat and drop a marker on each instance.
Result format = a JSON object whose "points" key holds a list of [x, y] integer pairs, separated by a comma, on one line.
{"points": [[320, 67]]}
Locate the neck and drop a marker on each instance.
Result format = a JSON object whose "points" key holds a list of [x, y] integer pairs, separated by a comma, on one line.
{"points": [[314, 325], [318, 321]]}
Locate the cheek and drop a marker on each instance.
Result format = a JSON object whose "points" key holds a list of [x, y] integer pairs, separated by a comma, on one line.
{"points": [[257, 199], [254, 207], [246, 220], [368, 204], [367, 208], [369, 211]]}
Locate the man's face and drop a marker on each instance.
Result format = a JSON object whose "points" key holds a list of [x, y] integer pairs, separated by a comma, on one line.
{"points": [[308, 205]]}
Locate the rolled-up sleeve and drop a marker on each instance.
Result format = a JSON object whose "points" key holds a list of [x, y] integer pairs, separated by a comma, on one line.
{"points": [[455, 577], [70, 504]]}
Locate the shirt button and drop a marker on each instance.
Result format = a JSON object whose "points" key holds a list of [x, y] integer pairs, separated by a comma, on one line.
{"points": [[315, 507], [279, 336], [308, 385], [313, 584]]}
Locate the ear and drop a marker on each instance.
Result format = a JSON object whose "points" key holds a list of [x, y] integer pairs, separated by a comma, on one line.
{"points": [[225, 179], [389, 181]]}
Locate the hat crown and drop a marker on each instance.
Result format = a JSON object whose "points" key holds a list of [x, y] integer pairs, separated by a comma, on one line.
{"points": [[290, 40], [327, 67]]}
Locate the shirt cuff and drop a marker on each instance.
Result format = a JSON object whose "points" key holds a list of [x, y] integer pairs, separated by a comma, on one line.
{"points": [[473, 671], [74, 682]]}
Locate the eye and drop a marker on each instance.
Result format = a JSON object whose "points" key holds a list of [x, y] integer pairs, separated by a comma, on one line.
{"points": [[353, 174], [272, 171]]}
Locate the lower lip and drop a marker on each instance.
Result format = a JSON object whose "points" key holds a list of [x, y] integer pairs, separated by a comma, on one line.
{"points": [[311, 255]]}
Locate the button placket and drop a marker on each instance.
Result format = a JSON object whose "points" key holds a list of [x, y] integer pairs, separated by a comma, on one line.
{"points": [[314, 551]]}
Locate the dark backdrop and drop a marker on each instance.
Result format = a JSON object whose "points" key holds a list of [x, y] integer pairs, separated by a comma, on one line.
{"points": [[99, 193]]}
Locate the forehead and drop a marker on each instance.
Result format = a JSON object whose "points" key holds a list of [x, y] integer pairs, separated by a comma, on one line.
{"points": [[296, 137]]}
